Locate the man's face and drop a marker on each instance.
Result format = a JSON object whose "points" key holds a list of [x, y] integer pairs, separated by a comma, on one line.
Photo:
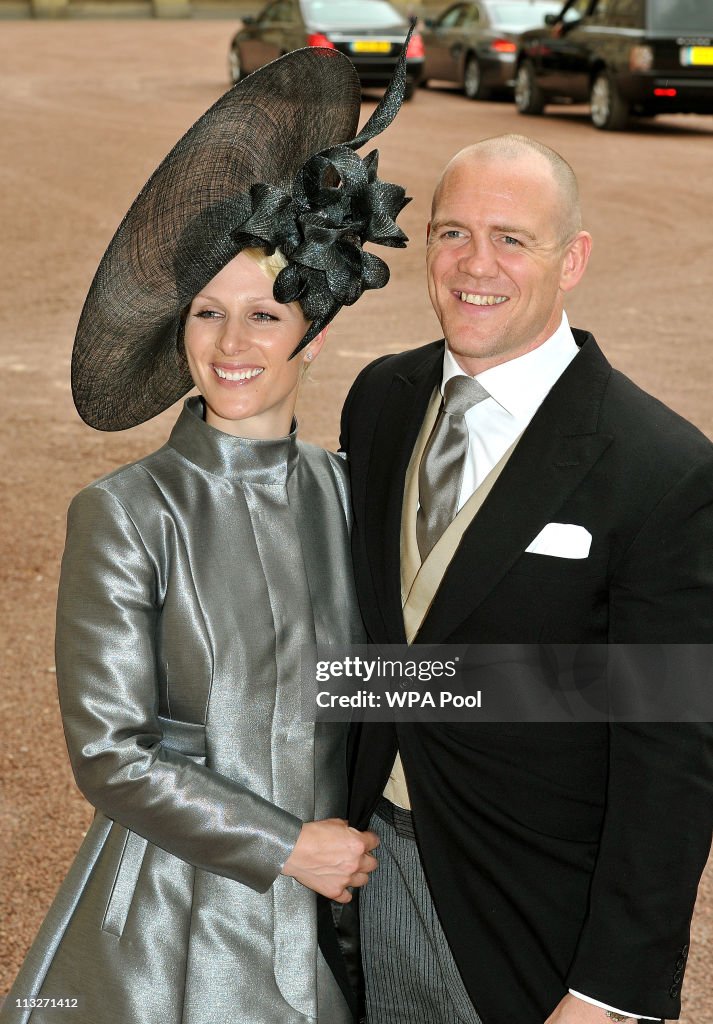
{"points": [[497, 267]]}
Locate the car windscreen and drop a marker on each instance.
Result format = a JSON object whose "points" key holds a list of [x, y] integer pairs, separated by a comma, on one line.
{"points": [[682, 17], [517, 15], [336, 14]]}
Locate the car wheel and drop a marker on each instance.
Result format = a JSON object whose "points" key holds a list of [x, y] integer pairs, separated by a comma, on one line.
{"points": [[409, 89], [529, 98], [606, 107], [234, 69], [473, 80]]}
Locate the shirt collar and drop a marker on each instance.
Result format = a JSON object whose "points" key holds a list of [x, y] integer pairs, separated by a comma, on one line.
{"points": [[520, 385]]}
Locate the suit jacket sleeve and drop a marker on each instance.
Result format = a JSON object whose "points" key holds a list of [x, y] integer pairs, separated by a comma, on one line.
{"points": [[659, 812], [107, 619]]}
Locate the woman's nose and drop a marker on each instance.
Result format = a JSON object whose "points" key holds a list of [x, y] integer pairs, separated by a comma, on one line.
{"points": [[233, 338]]}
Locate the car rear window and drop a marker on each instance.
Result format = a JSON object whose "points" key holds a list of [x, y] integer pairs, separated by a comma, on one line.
{"points": [[521, 14], [326, 14], [682, 17]]}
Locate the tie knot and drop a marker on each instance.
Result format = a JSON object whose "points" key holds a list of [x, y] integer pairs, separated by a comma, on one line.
{"points": [[461, 394]]}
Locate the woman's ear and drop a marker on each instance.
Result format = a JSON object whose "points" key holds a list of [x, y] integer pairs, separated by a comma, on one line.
{"points": [[315, 346]]}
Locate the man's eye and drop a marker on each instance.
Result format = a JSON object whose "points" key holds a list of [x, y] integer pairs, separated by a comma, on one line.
{"points": [[452, 233], [509, 240]]}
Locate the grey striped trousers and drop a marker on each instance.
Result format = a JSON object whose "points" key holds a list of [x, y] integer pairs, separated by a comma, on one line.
{"points": [[409, 971]]}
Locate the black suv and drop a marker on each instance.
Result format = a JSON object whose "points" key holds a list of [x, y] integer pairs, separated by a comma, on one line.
{"points": [[640, 57]]}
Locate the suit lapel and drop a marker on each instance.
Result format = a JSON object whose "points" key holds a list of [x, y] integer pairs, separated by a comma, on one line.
{"points": [[555, 453], [395, 435]]}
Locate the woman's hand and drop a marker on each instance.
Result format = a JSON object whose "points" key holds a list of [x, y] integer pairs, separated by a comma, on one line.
{"points": [[329, 856]]}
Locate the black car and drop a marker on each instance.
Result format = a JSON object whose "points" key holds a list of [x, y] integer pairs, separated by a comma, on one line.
{"points": [[475, 44], [370, 32], [626, 57]]}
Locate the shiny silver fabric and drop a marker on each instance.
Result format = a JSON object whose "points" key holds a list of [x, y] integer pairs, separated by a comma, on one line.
{"points": [[190, 582]]}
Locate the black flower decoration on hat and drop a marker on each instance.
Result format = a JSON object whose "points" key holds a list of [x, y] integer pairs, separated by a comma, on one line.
{"points": [[336, 204]]}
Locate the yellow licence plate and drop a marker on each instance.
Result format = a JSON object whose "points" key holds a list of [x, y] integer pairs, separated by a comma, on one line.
{"points": [[371, 46], [696, 55]]}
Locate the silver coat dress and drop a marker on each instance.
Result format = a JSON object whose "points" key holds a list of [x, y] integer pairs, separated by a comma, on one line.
{"points": [[191, 582]]}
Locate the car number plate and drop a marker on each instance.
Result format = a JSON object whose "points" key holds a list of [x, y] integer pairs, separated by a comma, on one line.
{"points": [[692, 56], [371, 46]]}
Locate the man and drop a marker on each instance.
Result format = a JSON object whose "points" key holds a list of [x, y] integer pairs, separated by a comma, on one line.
{"points": [[529, 873]]}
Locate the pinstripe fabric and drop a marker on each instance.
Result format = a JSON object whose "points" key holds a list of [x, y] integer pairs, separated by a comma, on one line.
{"points": [[410, 974]]}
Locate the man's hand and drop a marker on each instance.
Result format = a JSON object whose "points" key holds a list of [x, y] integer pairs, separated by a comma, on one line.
{"points": [[329, 856], [572, 1010]]}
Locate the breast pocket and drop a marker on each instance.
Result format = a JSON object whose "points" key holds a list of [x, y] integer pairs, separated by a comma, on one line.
{"points": [[562, 570]]}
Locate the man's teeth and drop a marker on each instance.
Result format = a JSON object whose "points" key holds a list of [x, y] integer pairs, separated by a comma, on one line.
{"points": [[482, 300], [238, 374]]}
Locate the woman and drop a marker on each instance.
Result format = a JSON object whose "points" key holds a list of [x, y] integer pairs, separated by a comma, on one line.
{"points": [[194, 580]]}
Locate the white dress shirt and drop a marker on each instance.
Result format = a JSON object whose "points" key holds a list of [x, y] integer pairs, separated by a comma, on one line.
{"points": [[517, 389]]}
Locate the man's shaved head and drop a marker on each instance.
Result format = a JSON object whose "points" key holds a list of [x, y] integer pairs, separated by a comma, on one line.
{"points": [[523, 148]]}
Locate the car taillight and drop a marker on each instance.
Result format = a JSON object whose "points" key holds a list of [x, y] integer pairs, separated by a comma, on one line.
{"points": [[415, 47], [319, 39], [503, 46], [665, 92], [641, 58]]}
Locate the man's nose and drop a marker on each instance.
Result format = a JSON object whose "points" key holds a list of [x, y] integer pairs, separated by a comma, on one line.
{"points": [[478, 258]]}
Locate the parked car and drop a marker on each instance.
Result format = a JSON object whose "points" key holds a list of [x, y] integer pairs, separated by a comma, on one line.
{"points": [[475, 44], [370, 32], [626, 57]]}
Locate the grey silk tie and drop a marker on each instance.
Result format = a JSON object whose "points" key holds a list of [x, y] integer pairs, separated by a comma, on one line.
{"points": [[441, 470]]}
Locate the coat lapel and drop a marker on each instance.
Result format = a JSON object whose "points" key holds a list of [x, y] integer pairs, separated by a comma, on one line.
{"points": [[395, 435], [555, 453]]}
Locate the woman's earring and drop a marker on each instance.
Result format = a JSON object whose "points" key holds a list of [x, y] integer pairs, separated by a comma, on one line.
{"points": [[308, 356]]}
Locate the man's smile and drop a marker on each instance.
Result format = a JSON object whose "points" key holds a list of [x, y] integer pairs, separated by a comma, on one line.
{"points": [[482, 300]]}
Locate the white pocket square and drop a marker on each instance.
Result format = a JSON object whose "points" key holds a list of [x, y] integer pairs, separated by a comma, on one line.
{"points": [[563, 540]]}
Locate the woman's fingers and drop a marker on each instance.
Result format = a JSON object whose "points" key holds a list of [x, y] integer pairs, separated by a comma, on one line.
{"points": [[367, 863], [358, 879], [329, 857], [370, 839]]}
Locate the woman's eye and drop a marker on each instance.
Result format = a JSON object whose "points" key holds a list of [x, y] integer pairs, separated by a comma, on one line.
{"points": [[207, 314], [263, 316]]}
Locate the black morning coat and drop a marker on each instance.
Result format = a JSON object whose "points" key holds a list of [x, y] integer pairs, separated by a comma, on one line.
{"points": [[558, 855]]}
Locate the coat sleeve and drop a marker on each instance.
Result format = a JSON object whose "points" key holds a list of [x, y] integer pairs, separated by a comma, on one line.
{"points": [[659, 812], [107, 617]]}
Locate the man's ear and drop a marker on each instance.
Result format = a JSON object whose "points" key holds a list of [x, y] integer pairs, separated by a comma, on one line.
{"points": [[575, 260]]}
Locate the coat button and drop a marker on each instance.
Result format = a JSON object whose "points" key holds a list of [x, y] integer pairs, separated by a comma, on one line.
{"points": [[684, 951], [677, 976], [673, 991], [680, 963]]}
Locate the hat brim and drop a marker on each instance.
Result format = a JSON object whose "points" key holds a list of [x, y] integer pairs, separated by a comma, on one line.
{"points": [[126, 364]]}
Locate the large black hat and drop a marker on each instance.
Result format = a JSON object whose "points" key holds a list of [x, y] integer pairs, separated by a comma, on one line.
{"points": [[271, 164]]}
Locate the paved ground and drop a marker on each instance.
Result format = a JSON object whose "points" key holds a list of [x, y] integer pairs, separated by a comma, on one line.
{"points": [[86, 111]]}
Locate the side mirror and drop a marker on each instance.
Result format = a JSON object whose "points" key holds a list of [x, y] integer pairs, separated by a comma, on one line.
{"points": [[248, 20], [429, 22], [551, 19]]}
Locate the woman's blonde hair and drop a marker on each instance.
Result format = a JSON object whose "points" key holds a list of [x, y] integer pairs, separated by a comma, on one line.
{"points": [[270, 265]]}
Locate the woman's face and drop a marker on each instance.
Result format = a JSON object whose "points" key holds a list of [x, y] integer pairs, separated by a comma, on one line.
{"points": [[238, 340]]}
